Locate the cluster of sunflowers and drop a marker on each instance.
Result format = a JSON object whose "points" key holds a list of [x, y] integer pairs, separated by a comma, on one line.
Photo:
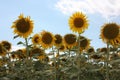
{"points": [[57, 57]]}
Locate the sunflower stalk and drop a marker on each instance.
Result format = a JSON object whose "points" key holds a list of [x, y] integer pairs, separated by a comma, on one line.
{"points": [[57, 66], [27, 48], [107, 62], [79, 56], [54, 63]]}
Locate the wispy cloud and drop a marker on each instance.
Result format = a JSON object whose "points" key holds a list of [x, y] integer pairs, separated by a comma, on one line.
{"points": [[107, 8]]}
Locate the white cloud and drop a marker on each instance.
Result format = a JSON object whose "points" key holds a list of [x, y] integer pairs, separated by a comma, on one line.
{"points": [[107, 8]]}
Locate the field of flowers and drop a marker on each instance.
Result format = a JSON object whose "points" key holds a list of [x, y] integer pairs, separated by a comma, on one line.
{"points": [[49, 56]]}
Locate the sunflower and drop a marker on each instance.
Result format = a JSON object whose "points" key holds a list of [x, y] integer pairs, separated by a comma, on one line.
{"points": [[2, 50], [13, 56], [47, 39], [6, 45], [104, 49], [58, 40], [21, 53], [36, 50], [38, 53], [110, 33], [90, 50], [62, 47], [70, 40], [78, 22], [23, 26], [96, 56], [1, 62], [36, 39], [84, 43]]}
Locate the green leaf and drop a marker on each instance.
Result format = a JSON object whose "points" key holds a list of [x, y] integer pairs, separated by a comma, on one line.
{"points": [[20, 43], [16, 36]]}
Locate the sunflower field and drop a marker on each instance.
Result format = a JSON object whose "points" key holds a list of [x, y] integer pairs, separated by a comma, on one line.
{"points": [[48, 56]]}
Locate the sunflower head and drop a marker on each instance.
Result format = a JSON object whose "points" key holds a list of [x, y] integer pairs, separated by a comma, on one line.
{"points": [[78, 22], [2, 50], [62, 47], [23, 26], [104, 49], [70, 40], [96, 56], [6, 45], [58, 40], [36, 39], [84, 43], [47, 39], [90, 50], [35, 51], [110, 33], [21, 53]]}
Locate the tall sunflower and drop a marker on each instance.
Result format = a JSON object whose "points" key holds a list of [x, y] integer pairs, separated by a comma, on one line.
{"points": [[110, 33], [70, 40], [23, 26], [78, 22], [6, 45], [36, 39], [47, 39], [58, 40]]}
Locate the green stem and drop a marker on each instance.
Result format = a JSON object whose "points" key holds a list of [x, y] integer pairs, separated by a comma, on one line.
{"points": [[54, 63], [78, 57], [57, 70], [27, 48], [107, 62]]}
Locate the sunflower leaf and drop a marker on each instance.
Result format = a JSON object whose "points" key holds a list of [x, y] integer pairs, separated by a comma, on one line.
{"points": [[20, 43], [16, 36]]}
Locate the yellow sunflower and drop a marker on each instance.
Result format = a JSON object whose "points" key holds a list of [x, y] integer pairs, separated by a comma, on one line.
{"points": [[2, 50], [38, 53], [104, 49], [47, 39], [21, 53], [6, 45], [110, 33], [36, 39], [62, 47], [23, 26], [70, 40], [78, 22], [58, 40], [84, 43], [36, 50], [90, 50]]}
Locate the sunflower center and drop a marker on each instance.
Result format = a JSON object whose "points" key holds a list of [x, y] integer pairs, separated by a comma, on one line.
{"points": [[111, 31], [90, 50], [58, 39], [78, 22], [47, 38], [62, 47], [70, 39], [83, 43], [23, 26], [7, 46], [36, 39], [1, 50]]}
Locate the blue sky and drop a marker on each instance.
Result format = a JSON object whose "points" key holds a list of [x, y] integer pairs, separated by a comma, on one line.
{"points": [[53, 15]]}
